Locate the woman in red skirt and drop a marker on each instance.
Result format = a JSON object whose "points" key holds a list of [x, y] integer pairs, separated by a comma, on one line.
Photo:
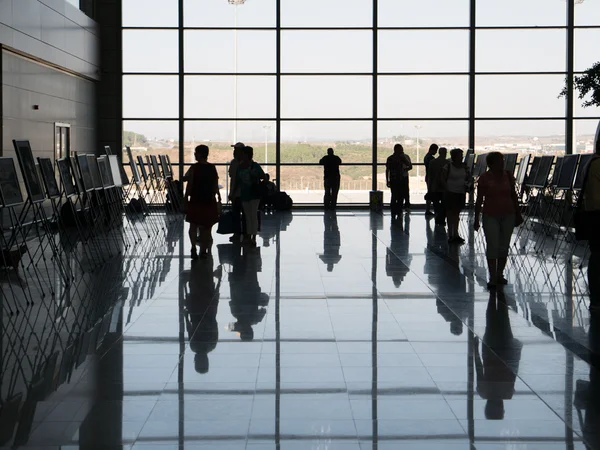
{"points": [[203, 197]]}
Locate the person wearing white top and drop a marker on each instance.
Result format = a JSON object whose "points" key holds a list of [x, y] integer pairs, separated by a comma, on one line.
{"points": [[454, 178]]}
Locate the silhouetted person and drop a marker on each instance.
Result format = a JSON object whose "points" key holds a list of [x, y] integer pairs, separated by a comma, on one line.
{"points": [[249, 177], [591, 204], [455, 176], [234, 195], [497, 199], [435, 187], [202, 194], [430, 156], [201, 304], [498, 364], [247, 301], [396, 177], [332, 241], [331, 170]]}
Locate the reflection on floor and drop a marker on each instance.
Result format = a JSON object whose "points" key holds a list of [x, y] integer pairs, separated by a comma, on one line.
{"points": [[340, 332]]}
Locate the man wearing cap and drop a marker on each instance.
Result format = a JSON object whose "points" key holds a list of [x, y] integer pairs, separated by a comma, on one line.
{"points": [[234, 195]]}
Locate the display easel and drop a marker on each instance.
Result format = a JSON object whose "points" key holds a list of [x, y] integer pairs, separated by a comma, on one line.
{"points": [[23, 224], [567, 237], [15, 290]]}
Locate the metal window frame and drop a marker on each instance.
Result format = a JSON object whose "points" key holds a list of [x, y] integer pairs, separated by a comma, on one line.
{"points": [[279, 75]]}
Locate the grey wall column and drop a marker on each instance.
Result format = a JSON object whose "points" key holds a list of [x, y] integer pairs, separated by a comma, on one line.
{"points": [[569, 137], [109, 92], [472, 53]]}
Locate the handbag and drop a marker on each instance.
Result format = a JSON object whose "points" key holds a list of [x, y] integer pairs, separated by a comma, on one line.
{"points": [[227, 222]]}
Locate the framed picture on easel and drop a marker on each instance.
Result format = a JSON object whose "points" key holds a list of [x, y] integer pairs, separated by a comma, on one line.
{"points": [[142, 167], [10, 191], [132, 166], [47, 171], [84, 171], [105, 175], [94, 171], [64, 174], [165, 167], [33, 186], [115, 170], [155, 167]]}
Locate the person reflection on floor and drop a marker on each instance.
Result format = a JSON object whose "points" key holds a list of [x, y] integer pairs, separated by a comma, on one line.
{"points": [[498, 364], [332, 241], [201, 304], [247, 301], [398, 258]]}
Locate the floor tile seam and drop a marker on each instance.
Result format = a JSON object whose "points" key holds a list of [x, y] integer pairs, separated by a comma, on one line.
{"points": [[467, 326], [555, 412]]}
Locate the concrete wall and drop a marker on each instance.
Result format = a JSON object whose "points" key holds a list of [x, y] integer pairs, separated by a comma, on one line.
{"points": [[61, 97], [54, 31], [50, 58]]}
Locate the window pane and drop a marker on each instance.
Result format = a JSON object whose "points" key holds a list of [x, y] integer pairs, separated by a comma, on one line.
{"points": [[423, 96], [538, 50], [219, 136], [520, 136], [150, 51], [327, 51], [145, 133], [322, 96], [519, 96], [215, 97], [214, 51], [416, 137], [424, 13], [307, 142], [217, 132], [330, 13], [585, 132], [586, 48], [422, 51], [150, 13], [521, 13], [587, 13], [151, 138], [150, 96], [449, 133], [305, 183], [219, 13]]}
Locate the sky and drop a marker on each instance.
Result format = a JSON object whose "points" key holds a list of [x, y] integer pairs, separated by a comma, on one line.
{"points": [[409, 97]]}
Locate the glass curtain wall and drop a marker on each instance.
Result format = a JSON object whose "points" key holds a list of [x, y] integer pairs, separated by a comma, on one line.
{"points": [[293, 78]]}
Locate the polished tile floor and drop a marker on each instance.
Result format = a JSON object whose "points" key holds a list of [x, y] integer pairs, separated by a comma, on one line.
{"points": [[341, 331]]}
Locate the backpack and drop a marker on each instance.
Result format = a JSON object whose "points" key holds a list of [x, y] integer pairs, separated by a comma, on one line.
{"points": [[283, 202]]}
